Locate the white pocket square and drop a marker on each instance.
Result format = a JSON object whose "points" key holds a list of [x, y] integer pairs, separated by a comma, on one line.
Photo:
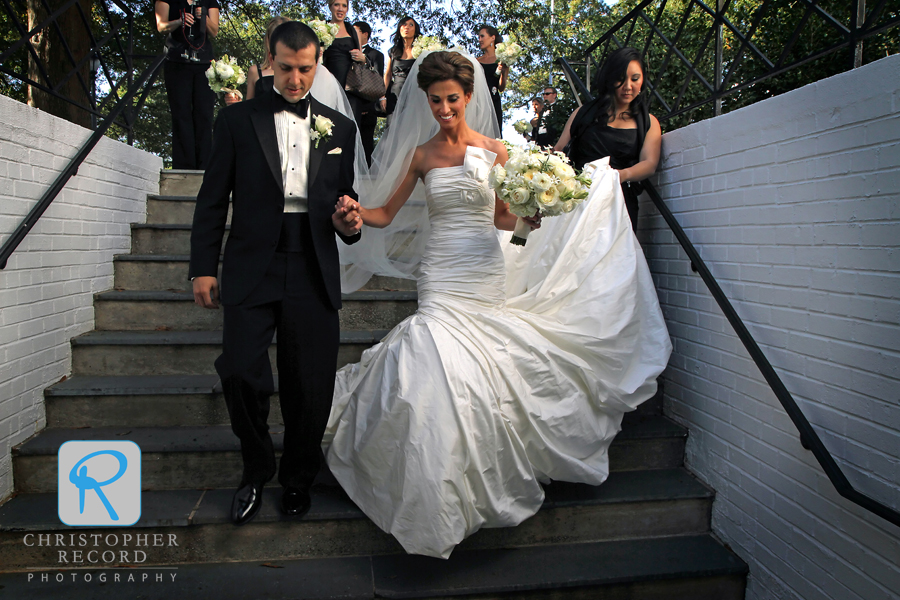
{"points": [[335, 151]]}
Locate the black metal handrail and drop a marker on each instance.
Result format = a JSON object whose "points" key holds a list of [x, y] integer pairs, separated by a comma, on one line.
{"points": [[115, 45], [643, 28], [808, 436], [141, 85]]}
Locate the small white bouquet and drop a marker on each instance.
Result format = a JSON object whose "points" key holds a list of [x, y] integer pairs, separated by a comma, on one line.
{"points": [[224, 75], [326, 32], [508, 53], [522, 127], [426, 43], [535, 180]]}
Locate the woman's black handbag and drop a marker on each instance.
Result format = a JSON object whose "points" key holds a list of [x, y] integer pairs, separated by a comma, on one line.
{"points": [[364, 81]]}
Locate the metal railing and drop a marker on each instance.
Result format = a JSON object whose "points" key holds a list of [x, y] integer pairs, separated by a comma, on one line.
{"points": [[714, 51], [101, 40], [808, 436]]}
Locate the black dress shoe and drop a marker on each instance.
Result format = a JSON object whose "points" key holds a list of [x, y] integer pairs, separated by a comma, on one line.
{"points": [[246, 503], [295, 502]]}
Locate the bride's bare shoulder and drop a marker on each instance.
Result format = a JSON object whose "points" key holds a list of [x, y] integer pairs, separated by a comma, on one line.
{"points": [[495, 146]]}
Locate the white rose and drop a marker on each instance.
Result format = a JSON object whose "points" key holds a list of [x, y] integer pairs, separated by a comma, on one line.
{"points": [[542, 182], [548, 197], [518, 196], [323, 125], [563, 171], [497, 176]]}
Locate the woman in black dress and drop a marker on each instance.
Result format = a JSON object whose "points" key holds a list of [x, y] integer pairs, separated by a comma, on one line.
{"points": [[617, 124], [400, 61], [261, 76], [488, 38], [338, 57]]}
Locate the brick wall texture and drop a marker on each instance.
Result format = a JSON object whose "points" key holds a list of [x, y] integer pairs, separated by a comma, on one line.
{"points": [[794, 203], [46, 290]]}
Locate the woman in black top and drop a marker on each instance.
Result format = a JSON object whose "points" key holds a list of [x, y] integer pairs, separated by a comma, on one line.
{"points": [[617, 124], [260, 77], [338, 57], [189, 51], [400, 61], [488, 38]]}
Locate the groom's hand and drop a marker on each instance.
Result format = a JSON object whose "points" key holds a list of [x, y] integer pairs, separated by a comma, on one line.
{"points": [[346, 217], [206, 292]]}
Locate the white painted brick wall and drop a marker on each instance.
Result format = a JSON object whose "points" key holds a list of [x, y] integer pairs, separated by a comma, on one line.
{"points": [[46, 290], [794, 203]]}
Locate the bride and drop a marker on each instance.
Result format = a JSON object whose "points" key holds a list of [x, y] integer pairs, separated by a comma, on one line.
{"points": [[519, 363]]}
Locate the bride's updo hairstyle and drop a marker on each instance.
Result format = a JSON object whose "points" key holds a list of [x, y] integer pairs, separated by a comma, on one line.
{"points": [[444, 66]]}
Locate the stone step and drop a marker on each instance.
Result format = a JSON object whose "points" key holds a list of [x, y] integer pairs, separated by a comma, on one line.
{"points": [[163, 238], [170, 272], [173, 209], [692, 566], [628, 505], [152, 272], [138, 310], [106, 353], [180, 182], [169, 401], [209, 457]]}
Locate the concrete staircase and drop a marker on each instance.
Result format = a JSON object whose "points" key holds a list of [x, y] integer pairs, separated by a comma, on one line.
{"points": [[146, 374]]}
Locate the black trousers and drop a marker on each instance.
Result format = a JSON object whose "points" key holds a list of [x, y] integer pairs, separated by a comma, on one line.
{"points": [[292, 302], [191, 102], [367, 123]]}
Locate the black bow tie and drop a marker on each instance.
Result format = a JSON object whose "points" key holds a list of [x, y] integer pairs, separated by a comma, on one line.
{"points": [[300, 107]]}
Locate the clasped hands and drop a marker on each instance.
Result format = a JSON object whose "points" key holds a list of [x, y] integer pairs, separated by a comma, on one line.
{"points": [[346, 217]]}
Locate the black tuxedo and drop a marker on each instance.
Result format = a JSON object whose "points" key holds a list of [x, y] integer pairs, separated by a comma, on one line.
{"points": [[369, 118], [546, 133], [280, 272]]}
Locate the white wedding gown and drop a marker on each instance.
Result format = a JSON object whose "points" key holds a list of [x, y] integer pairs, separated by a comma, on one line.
{"points": [[515, 370]]}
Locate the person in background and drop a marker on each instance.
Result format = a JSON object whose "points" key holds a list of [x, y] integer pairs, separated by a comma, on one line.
{"points": [[368, 119], [190, 27], [338, 57], [260, 77], [617, 124], [537, 105], [496, 73], [400, 61]]}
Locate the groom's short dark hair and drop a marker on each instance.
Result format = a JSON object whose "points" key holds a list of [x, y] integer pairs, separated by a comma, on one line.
{"points": [[295, 35]]}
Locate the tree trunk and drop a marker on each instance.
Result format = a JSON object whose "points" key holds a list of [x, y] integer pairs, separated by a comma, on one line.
{"points": [[56, 61]]}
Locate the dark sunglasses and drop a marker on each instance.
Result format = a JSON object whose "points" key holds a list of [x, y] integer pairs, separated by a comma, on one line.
{"points": [[549, 93]]}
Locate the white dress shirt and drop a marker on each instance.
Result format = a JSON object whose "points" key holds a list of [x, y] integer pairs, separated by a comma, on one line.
{"points": [[293, 149]]}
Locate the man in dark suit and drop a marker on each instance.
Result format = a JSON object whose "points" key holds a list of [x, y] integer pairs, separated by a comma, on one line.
{"points": [[548, 129], [369, 118], [285, 160]]}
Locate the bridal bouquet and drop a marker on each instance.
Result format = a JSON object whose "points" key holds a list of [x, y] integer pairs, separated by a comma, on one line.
{"points": [[224, 75], [535, 180], [522, 127], [426, 43], [508, 53], [326, 32]]}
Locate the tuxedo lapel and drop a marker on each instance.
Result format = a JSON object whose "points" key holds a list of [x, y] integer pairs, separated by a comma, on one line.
{"points": [[263, 119]]}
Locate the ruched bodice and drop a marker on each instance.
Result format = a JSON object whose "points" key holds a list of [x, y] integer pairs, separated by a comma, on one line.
{"points": [[463, 261]]}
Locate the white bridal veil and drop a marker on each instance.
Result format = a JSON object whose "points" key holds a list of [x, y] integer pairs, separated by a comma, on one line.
{"points": [[396, 250]]}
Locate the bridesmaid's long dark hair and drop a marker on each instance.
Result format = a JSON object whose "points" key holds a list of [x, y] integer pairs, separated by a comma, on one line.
{"points": [[397, 49], [610, 77]]}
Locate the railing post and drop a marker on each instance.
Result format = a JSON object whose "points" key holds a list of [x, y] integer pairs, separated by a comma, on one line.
{"points": [[720, 42], [858, 19]]}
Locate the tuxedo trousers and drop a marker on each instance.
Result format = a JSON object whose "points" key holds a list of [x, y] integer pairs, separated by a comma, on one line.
{"points": [[291, 304]]}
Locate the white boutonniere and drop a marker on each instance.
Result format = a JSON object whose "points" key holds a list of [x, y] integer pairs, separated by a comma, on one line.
{"points": [[321, 129]]}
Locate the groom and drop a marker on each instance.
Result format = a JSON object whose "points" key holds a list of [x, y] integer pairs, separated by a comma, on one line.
{"points": [[286, 160]]}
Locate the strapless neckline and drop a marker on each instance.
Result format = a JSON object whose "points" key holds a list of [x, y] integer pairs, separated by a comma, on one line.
{"points": [[482, 154]]}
